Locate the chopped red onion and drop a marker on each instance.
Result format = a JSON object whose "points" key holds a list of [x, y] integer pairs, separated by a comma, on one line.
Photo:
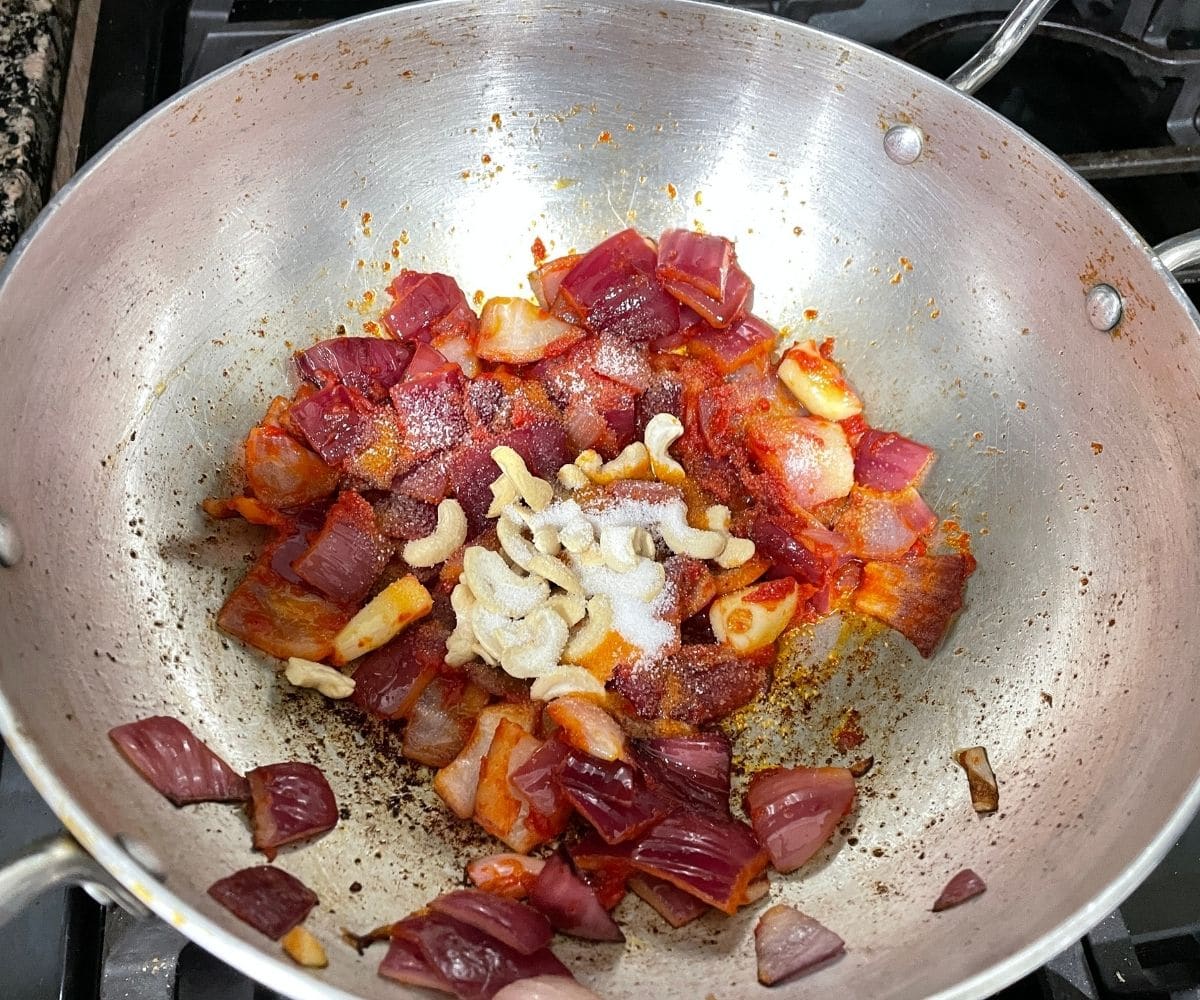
{"points": [[788, 942], [348, 554], [748, 341], [806, 461], [426, 361], [670, 902], [520, 927], [696, 259], [917, 597], [546, 988], [441, 720], [474, 964], [405, 964], [613, 290], [789, 555], [372, 365], [267, 898], [795, 810], [536, 780], [965, 885], [887, 461], [289, 802], [389, 680], [884, 525], [401, 517], [179, 766], [571, 905], [427, 305], [547, 279], [692, 770], [510, 875], [737, 301], [588, 728], [429, 411], [607, 795], [664, 394], [336, 422], [696, 684], [428, 482], [458, 782], [713, 859], [282, 473]]}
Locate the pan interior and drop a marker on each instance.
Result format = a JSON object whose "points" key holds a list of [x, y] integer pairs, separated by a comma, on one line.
{"points": [[147, 324]]}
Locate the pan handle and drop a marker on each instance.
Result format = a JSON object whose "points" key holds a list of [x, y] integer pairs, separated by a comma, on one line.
{"points": [[1001, 47], [1180, 251], [53, 862]]}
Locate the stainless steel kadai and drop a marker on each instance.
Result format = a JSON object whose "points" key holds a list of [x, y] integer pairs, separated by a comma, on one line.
{"points": [[1036, 342]]}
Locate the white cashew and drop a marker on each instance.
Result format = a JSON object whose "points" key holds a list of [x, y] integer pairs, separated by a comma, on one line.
{"points": [[513, 541], [716, 518], [632, 463], [545, 540], [307, 674], [460, 644], [497, 587], [570, 607], [650, 577], [557, 572], [591, 556], [542, 635], [589, 462], [662, 431], [736, 552], [616, 546], [563, 681], [572, 477], [683, 539], [462, 600], [504, 493], [643, 543], [450, 533], [576, 535], [592, 632], [536, 492], [490, 631]]}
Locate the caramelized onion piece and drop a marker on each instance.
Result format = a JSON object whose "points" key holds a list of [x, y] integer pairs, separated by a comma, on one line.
{"points": [[965, 885], [788, 942], [985, 793]]}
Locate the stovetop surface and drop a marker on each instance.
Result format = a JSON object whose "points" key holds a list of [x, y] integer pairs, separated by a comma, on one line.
{"points": [[1114, 85]]}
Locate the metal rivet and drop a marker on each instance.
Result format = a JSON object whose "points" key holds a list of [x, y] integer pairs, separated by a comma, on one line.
{"points": [[903, 143], [1104, 307], [10, 544]]}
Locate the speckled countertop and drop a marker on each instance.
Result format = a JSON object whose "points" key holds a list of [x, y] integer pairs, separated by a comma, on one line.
{"points": [[35, 42]]}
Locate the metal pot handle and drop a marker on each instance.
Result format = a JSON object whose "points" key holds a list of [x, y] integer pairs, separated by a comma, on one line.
{"points": [[1001, 47], [53, 862], [1180, 251]]}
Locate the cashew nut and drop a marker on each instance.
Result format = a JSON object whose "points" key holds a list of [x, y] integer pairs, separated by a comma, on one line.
{"points": [[497, 587], [536, 492], [736, 552], [716, 518], [462, 600], [632, 463], [648, 578], [576, 535], [513, 541], [490, 632], [307, 674], [570, 607], [542, 634], [460, 644], [662, 431], [590, 463], [504, 493], [616, 546], [450, 533], [594, 630], [591, 556], [556, 572], [545, 540], [683, 539], [572, 477], [643, 544], [563, 681]]}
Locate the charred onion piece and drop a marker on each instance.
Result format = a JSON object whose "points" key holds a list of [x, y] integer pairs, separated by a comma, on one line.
{"points": [[520, 927], [179, 766], [788, 942], [289, 802], [570, 904], [985, 793], [861, 766], [267, 898], [965, 885]]}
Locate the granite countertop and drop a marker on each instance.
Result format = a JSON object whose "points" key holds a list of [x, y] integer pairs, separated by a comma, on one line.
{"points": [[35, 45]]}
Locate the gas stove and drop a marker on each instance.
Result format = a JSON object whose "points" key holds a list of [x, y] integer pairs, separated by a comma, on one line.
{"points": [[1111, 85]]}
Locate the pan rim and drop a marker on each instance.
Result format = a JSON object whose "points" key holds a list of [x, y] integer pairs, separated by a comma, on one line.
{"points": [[255, 960]]}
